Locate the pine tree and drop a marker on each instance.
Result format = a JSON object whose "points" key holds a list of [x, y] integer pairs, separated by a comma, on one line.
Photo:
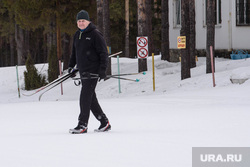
{"points": [[99, 8], [210, 17], [106, 30], [126, 28], [164, 31], [32, 79], [185, 31], [142, 31], [192, 33]]}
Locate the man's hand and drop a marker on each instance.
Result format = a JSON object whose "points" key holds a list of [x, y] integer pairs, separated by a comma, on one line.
{"points": [[72, 71], [102, 74]]}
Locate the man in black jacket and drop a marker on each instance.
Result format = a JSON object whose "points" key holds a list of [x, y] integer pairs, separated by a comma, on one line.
{"points": [[89, 54]]}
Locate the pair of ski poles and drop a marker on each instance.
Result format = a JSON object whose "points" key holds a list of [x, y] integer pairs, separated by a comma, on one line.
{"points": [[59, 80], [116, 76]]}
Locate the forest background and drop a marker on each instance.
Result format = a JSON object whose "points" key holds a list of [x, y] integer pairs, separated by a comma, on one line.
{"points": [[30, 27]]}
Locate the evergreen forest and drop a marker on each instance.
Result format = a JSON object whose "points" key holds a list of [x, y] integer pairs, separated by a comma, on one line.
{"points": [[35, 27]]}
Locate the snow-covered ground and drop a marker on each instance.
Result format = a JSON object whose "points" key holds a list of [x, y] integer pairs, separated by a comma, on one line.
{"points": [[148, 128]]}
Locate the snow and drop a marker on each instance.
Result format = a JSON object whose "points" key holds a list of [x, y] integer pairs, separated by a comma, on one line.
{"points": [[148, 128]]}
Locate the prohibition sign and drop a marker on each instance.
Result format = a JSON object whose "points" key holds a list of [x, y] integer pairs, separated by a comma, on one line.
{"points": [[179, 40], [142, 42], [142, 53]]}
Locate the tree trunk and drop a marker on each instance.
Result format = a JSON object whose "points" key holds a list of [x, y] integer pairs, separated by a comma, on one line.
{"points": [[142, 31], [192, 33], [126, 28], [45, 48], [106, 30], [39, 46], [20, 45], [164, 31], [99, 4], [66, 50], [1, 51], [185, 31], [6, 46], [51, 36], [210, 32], [58, 40], [12, 49], [149, 27], [156, 14]]}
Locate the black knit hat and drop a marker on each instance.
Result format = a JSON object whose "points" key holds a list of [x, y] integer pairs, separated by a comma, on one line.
{"points": [[82, 15]]}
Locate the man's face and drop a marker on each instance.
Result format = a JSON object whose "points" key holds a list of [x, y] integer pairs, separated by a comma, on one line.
{"points": [[82, 24]]}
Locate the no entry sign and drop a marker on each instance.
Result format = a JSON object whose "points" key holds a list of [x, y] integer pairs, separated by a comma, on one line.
{"points": [[142, 47]]}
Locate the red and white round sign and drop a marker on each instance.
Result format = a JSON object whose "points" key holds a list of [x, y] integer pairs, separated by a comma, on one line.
{"points": [[142, 42], [142, 53]]}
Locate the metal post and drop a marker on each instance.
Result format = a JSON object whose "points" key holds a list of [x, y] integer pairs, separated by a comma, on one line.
{"points": [[153, 69], [18, 89]]}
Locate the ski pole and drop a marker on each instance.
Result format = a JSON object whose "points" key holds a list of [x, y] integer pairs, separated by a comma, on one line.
{"points": [[58, 83], [127, 79], [92, 75], [109, 76], [51, 83], [144, 73], [115, 54]]}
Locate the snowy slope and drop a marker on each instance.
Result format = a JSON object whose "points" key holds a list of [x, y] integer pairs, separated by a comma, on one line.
{"points": [[148, 128]]}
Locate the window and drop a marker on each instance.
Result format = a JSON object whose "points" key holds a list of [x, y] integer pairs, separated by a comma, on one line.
{"points": [[177, 13], [218, 18], [242, 12], [218, 12]]}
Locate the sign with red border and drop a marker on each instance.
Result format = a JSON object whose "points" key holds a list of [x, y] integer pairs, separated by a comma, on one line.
{"points": [[143, 53], [142, 47], [142, 42]]}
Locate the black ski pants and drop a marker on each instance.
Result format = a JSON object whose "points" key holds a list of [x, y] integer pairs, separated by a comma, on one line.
{"points": [[88, 101]]}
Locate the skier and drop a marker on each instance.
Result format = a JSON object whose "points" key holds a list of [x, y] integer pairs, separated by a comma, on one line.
{"points": [[90, 55]]}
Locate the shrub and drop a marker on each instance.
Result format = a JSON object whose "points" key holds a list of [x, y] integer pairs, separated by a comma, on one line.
{"points": [[32, 79]]}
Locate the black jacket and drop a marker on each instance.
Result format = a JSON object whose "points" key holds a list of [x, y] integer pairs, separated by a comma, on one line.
{"points": [[89, 51]]}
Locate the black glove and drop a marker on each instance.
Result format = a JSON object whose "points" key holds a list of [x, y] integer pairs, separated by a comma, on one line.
{"points": [[102, 74], [72, 71]]}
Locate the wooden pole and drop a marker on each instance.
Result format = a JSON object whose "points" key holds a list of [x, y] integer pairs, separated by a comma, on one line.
{"points": [[212, 64], [153, 67]]}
